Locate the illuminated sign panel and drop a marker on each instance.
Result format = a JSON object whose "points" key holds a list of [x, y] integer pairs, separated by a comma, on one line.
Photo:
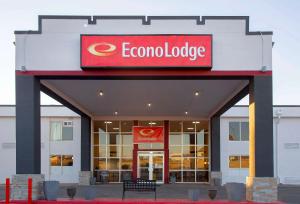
{"points": [[146, 51]]}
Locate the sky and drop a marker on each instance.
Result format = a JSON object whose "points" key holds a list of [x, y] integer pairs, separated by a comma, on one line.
{"points": [[281, 17]]}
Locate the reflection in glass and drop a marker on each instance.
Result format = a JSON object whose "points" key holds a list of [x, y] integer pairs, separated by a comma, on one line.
{"points": [[113, 176], [244, 161], [188, 163], [113, 164], [188, 151], [100, 164], [126, 151], [175, 139], [244, 131], [202, 176], [202, 151], [234, 161], [113, 151], [188, 176], [202, 163], [126, 163], [67, 160], [55, 160], [176, 174], [175, 151], [175, 163], [189, 139], [175, 126], [234, 131]]}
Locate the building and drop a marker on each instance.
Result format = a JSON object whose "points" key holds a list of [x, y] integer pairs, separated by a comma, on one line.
{"points": [[170, 78]]}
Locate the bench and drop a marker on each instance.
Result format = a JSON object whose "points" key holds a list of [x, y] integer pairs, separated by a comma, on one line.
{"points": [[139, 185]]}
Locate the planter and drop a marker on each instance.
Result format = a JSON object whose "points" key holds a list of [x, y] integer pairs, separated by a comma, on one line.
{"points": [[212, 193], [173, 179], [71, 192], [235, 191], [89, 192], [51, 189]]}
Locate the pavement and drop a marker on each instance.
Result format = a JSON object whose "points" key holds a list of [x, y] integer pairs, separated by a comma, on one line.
{"points": [[286, 193]]}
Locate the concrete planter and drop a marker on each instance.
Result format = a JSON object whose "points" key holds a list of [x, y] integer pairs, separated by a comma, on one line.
{"points": [[51, 189], [235, 191], [71, 192]]}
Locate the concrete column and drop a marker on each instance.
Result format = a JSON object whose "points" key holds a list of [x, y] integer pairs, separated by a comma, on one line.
{"points": [[261, 185], [85, 174], [166, 151], [215, 174], [28, 138]]}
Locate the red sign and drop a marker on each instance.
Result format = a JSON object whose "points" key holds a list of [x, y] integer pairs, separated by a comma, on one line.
{"points": [[142, 134], [146, 51]]}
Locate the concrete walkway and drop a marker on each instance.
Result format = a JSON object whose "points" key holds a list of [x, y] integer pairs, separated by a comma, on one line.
{"points": [[287, 194]]}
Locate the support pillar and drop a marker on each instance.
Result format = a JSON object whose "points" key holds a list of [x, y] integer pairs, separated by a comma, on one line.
{"points": [[28, 138], [166, 151], [85, 173], [215, 174], [261, 184]]}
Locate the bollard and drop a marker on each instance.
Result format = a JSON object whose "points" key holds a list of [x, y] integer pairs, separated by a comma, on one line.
{"points": [[29, 190], [7, 190]]}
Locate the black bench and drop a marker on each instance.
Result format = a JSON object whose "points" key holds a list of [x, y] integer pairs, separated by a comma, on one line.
{"points": [[140, 185]]}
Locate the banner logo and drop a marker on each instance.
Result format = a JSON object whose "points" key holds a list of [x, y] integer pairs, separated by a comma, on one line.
{"points": [[102, 49], [145, 134]]}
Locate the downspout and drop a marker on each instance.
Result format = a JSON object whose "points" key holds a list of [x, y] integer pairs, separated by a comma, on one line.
{"points": [[278, 115]]}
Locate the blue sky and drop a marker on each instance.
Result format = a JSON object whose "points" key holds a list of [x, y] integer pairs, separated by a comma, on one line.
{"points": [[281, 17]]}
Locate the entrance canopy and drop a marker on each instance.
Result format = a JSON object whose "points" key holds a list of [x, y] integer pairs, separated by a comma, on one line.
{"points": [[166, 98]]}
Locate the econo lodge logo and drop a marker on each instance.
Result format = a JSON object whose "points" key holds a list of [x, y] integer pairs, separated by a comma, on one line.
{"points": [[104, 49], [146, 51]]}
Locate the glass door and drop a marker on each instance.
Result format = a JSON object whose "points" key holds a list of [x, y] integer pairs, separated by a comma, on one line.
{"points": [[151, 166]]}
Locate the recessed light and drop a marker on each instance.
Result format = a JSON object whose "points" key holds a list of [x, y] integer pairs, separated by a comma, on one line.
{"points": [[101, 93], [196, 122], [116, 128], [190, 128], [116, 112], [186, 112], [197, 93], [107, 122], [149, 104], [152, 123]]}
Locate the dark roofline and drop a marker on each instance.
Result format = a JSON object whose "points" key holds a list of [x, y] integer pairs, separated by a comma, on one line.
{"points": [[146, 20]]}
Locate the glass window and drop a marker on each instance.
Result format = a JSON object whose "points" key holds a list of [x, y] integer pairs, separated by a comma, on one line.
{"points": [[126, 126], [67, 133], [244, 161], [201, 138], [202, 176], [113, 151], [175, 163], [202, 163], [112, 126], [151, 123], [176, 174], [175, 151], [126, 151], [245, 131], [113, 176], [175, 126], [188, 151], [126, 163], [55, 160], [102, 138], [113, 139], [56, 131], [202, 151], [99, 151], [175, 139], [113, 164], [188, 163], [127, 139], [189, 139], [67, 160], [234, 131], [234, 161], [100, 164], [188, 176], [157, 145]]}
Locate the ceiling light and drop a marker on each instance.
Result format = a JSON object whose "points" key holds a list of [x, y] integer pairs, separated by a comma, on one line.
{"points": [[149, 104], [100, 93], [107, 122], [190, 128], [196, 122], [186, 112], [152, 123], [197, 93], [116, 128], [116, 113]]}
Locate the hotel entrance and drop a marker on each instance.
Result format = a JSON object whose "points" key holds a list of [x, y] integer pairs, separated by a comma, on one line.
{"points": [[151, 166]]}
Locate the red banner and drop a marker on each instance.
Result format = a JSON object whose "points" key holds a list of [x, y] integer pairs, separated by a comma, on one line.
{"points": [[146, 134], [146, 51]]}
